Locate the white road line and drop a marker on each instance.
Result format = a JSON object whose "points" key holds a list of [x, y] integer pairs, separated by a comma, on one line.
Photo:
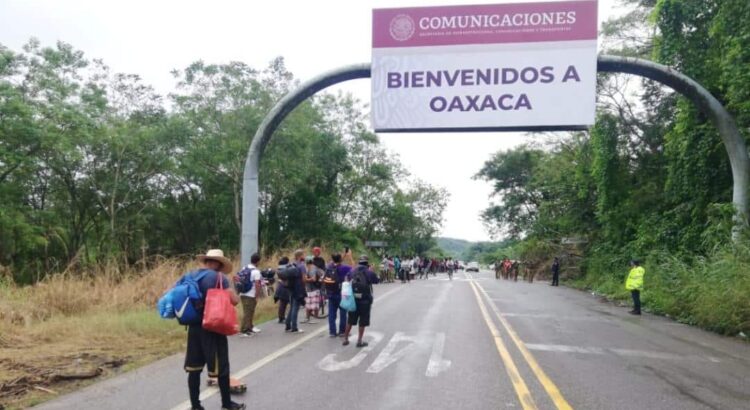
{"points": [[437, 364], [268, 359], [619, 352], [330, 364], [390, 355]]}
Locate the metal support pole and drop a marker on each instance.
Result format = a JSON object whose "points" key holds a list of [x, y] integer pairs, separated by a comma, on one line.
{"points": [[709, 105], [250, 194], [730, 134]]}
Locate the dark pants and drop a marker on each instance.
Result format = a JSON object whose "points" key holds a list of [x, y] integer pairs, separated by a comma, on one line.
{"points": [[636, 300], [282, 309], [555, 279], [291, 318], [333, 308], [208, 349]]}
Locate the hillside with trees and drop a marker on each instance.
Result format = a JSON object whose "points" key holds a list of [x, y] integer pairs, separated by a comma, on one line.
{"points": [[651, 180], [98, 169]]}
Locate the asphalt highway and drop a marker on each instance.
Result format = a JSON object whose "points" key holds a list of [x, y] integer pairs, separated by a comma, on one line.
{"points": [[471, 343]]}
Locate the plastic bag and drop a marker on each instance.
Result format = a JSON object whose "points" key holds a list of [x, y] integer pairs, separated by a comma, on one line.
{"points": [[164, 306], [219, 315], [347, 297]]}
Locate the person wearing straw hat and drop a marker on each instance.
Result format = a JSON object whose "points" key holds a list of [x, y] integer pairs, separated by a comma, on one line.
{"points": [[205, 348]]}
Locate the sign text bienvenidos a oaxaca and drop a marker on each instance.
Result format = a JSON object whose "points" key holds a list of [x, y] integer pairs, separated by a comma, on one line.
{"points": [[527, 66]]}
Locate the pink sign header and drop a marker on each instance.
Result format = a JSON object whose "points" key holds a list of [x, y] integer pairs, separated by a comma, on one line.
{"points": [[484, 24]]}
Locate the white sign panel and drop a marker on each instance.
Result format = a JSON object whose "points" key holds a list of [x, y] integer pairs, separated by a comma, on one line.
{"points": [[529, 66]]}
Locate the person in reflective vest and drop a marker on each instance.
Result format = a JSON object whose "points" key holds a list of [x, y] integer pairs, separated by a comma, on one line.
{"points": [[634, 283]]}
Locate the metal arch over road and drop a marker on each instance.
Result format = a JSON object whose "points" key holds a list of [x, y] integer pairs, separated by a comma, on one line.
{"points": [[709, 105], [730, 134]]}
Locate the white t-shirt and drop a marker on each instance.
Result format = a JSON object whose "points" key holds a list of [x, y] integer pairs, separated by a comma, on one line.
{"points": [[255, 277]]}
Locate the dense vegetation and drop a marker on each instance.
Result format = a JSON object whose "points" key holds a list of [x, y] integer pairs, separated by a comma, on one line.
{"points": [[96, 168], [453, 247], [651, 180]]}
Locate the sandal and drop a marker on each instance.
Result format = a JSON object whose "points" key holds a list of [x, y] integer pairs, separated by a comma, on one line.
{"points": [[361, 344], [346, 342]]}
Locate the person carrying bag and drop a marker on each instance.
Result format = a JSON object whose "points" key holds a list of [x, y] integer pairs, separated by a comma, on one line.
{"points": [[207, 344], [347, 297], [219, 315]]}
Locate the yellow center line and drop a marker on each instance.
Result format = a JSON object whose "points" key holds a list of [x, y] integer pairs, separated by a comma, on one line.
{"points": [[522, 391], [549, 386]]}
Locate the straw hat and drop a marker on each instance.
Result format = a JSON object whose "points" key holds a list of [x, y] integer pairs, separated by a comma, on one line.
{"points": [[217, 255]]}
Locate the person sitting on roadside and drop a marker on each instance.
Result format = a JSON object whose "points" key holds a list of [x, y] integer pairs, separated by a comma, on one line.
{"points": [[362, 279], [209, 349]]}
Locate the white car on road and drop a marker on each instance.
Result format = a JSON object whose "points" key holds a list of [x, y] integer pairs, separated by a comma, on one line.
{"points": [[472, 267]]}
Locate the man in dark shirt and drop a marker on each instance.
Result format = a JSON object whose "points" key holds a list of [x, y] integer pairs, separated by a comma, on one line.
{"points": [[297, 292], [363, 298], [283, 295], [556, 272], [205, 348], [336, 274]]}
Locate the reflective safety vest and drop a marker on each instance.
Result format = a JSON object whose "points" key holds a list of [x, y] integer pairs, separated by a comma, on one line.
{"points": [[635, 279]]}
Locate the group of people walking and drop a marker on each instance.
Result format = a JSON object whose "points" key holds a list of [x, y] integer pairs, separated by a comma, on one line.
{"points": [[302, 283], [510, 269], [306, 281], [393, 267]]}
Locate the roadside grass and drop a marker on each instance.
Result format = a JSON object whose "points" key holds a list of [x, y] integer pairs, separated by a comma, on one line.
{"points": [[70, 331], [711, 292]]}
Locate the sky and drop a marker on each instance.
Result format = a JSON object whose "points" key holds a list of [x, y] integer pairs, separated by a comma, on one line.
{"points": [[151, 38]]}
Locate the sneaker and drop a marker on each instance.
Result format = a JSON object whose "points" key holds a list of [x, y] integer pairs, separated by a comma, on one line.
{"points": [[282, 321], [256, 329], [332, 336], [297, 331], [198, 407], [305, 321], [311, 322], [246, 334], [234, 406]]}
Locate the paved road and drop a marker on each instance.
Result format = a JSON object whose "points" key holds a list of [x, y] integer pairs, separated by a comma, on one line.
{"points": [[471, 343]]}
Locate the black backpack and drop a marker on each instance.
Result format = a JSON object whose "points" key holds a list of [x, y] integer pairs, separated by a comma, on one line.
{"points": [[360, 284], [289, 273], [331, 275], [268, 275]]}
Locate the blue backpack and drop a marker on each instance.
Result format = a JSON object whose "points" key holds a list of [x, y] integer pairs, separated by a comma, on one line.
{"points": [[184, 300], [245, 283]]}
